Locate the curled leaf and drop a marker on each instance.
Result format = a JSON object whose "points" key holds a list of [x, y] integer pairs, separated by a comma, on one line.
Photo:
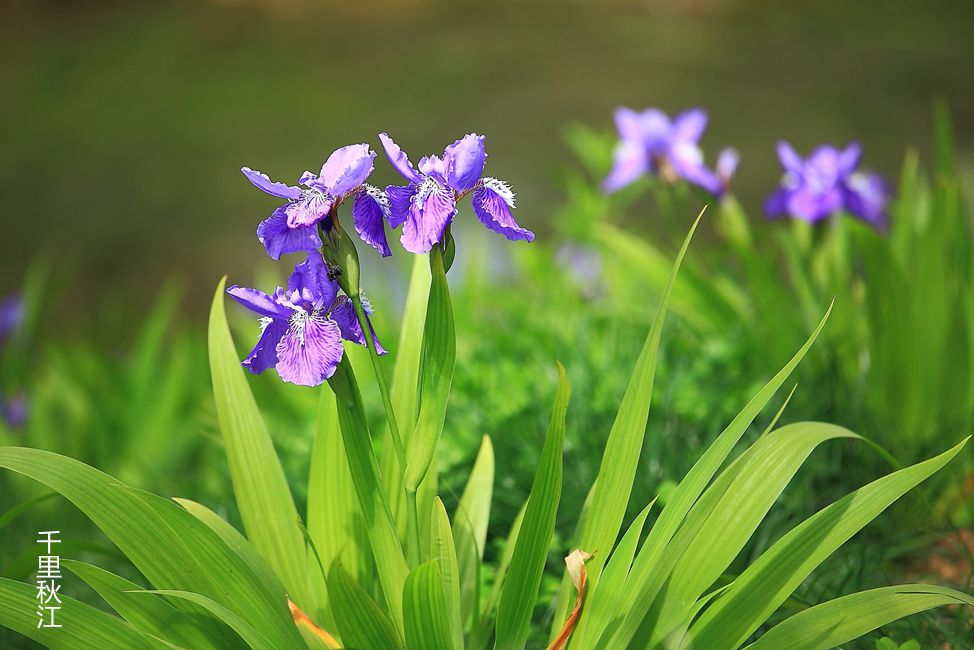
{"points": [[575, 563]]}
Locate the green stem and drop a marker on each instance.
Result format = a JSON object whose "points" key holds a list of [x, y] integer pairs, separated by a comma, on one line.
{"points": [[380, 379], [412, 530]]}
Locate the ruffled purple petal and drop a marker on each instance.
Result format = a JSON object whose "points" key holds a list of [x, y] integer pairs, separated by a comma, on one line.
{"points": [[431, 211], [465, 160], [399, 159], [263, 182], [370, 209], [311, 208], [310, 278], [258, 302], [689, 125], [631, 163], [344, 315], [789, 158], [264, 354], [400, 200], [433, 166], [274, 233], [346, 169], [866, 197], [309, 351], [492, 203]]}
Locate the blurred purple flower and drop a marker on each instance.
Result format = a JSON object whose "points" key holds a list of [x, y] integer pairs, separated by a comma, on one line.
{"points": [[293, 226], [302, 327], [11, 315], [14, 410], [428, 203], [651, 143], [826, 183]]}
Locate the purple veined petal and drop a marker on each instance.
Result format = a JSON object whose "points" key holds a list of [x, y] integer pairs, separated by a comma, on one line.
{"points": [[492, 203], [727, 161], [433, 166], [687, 159], [310, 350], [344, 315], [631, 162], [849, 158], [264, 183], [431, 211], [866, 197], [346, 169], [311, 277], [789, 158], [689, 125], [399, 159], [264, 354], [465, 160], [309, 210], [258, 302], [776, 205], [278, 239], [400, 200], [628, 124], [370, 211]]}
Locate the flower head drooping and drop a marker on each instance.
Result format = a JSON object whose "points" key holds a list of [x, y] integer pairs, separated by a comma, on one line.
{"points": [[428, 203], [302, 327], [825, 183], [11, 315], [293, 226], [652, 143]]}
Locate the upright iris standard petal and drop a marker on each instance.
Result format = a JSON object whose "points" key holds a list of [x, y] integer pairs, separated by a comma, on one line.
{"points": [[492, 202], [264, 354], [727, 161], [344, 316], [278, 238], [263, 182], [465, 161], [310, 350], [789, 158], [258, 302], [430, 212], [370, 211], [399, 160], [689, 125], [346, 169], [311, 278]]}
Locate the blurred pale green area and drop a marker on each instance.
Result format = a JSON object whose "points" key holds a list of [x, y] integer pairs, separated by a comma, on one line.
{"points": [[124, 124]]}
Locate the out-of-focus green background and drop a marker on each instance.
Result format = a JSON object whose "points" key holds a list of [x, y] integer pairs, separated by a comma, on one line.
{"points": [[124, 124]]}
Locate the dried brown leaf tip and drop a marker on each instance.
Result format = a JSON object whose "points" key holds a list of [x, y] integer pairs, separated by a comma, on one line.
{"points": [[303, 622], [576, 570]]}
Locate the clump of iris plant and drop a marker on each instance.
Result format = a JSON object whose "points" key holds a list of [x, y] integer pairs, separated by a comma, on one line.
{"points": [[828, 183], [425, 207], [651, 143], [302, 327], [293, 227]]}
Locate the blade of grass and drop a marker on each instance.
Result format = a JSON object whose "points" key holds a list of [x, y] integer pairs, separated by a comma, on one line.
{"points": [[427, 616], [361, 622]]}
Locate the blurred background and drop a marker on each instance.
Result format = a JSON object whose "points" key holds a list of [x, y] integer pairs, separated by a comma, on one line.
{"points": [[124, 124]]}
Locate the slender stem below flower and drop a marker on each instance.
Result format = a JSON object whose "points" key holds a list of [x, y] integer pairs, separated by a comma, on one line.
{"points": [[383, 385]]}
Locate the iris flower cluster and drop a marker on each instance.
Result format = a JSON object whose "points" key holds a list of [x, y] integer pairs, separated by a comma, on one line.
{"points": [[304, 324]]}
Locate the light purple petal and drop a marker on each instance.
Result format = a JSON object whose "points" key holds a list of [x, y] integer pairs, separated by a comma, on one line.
{"points": [[866, 197], [264, 354], [628, 124], [400, 200], [631, 162], [310, 278], [812, 206], [431, 211], [689, 125], [399, 159], [310, 350], [433, 166], [465, 162], [492, 203], [370, 211], [274, 233], [344, 316], [789, 158], [263, 182], [849, 158], [258, 302], [727, 162], [346, 169], [11, 315], [776, 205], [311, 208], [687, 160]]}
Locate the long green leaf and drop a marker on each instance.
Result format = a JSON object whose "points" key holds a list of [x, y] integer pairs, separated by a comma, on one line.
{"points": [[140, 524], [245, 629], [531, 549], [470, 528], [445, 554], [82, 626], [361, 622], [427, 615], [841, 620], [259, 485], [768, 582]]}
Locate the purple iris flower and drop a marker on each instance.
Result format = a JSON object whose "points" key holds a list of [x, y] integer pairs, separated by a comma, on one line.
{"points": [[14, 410], [302, 327], [11, 315], [652, 143], [826, 183], [428, 203], [293, 226]]}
